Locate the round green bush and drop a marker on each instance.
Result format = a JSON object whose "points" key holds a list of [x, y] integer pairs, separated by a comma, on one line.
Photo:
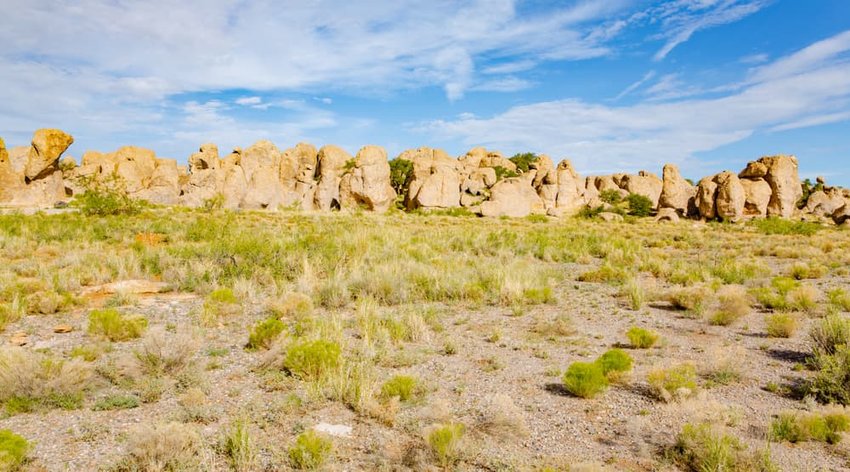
{"points": [[13, 450], [585, 379], [615, 361]]}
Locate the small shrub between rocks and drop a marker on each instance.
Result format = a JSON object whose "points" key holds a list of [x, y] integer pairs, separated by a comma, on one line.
{"points": [[13, 450], [641, 338], [831, 382], [310, 451], [113, 325], [672, 383], [585, 379], [639, 205]]}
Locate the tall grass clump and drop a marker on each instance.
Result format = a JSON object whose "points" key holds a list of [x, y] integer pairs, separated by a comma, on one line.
{"points": [[115, 326], [30, 381], [310, 451]]}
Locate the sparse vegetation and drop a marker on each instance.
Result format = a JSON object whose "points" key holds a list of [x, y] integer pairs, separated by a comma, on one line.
{"points": [[13, 450], [264, 333], [641, 338], [401, 386], [115, 326], [310, 451], [781, 325], [825, 426], [31, 381], [445, 442], [704, 447], [673, 383]]}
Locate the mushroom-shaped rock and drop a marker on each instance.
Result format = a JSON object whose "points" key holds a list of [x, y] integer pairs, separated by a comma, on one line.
{"points": [[367, 185], [47, 146]]}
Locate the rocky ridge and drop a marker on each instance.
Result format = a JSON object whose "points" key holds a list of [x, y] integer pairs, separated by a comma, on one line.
{"points": [[482, 181]]}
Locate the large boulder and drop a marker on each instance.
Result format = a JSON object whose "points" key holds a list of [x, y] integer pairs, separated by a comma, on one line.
{"points": [[730, 200], [298, 173], [514, 197], [825, 202], [705, 198], [205, 158], [435, 181], [782, 174], [261, 164], [164, 185], [757, 194], [545, 181], [9, 179], [332, 161], [676, 192], [47, 146], [842, 215], [367, 185], [135, 165], [644, 183]]}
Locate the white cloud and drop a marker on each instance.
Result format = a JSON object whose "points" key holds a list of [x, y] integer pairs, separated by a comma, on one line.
{"points": [[791, 92], [636, 85], [247, 101]]}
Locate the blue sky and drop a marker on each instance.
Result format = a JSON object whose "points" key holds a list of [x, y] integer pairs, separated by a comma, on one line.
{"points": [[613, 85]]}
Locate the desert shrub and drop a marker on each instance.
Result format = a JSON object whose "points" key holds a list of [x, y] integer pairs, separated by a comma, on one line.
{"points": [[312, 360], [635, 294], [825, 426], [695, 300], [13, 450], [264, 333], [639, 205], [615, 363], [611, 196], [214, 203], [504, 173], [106, 196], [89, 352], [780, 325], [239, 447], [802, 270], [9, 313], [401, 386], [559, 326], [293, 305], [164, 354], [30, 381], [831, 382], [401, 171], [774, 225], [165, 447], [523, 161], [734, 271], [585, 379], [220, 303], [310, 451], [675, 382], [503, 418], [605, 273], [839, 299], [641, 338], [445, 442], [734, 304], [703, 448], [113, 325], [829, 334], [116, 402]]}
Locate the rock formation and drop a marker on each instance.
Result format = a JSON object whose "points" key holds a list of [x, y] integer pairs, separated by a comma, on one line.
{"points": [[367, 184], [676, 192], [435, 181]]}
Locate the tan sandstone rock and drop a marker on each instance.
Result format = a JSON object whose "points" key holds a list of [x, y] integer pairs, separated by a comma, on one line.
{"points": [[570, 196], [644, 183], [367, 185], [47, 146], [676, 192], [730, 200], [825, 202], [513, 197], [757, 196], [435, 181], [782, 173], [332, 162]]}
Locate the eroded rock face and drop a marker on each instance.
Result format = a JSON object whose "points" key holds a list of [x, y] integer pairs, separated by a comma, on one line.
{"points": [[435, 182], [47, 146], [514, 197], [570, 191], [332, 161], [667, 214], [30, 177], [298, 167], [676, 192], [367, 185], [706, 194], [164, 185], [729, 203], [782, 174], [644, 183], [825, 202], [757, 196]]}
